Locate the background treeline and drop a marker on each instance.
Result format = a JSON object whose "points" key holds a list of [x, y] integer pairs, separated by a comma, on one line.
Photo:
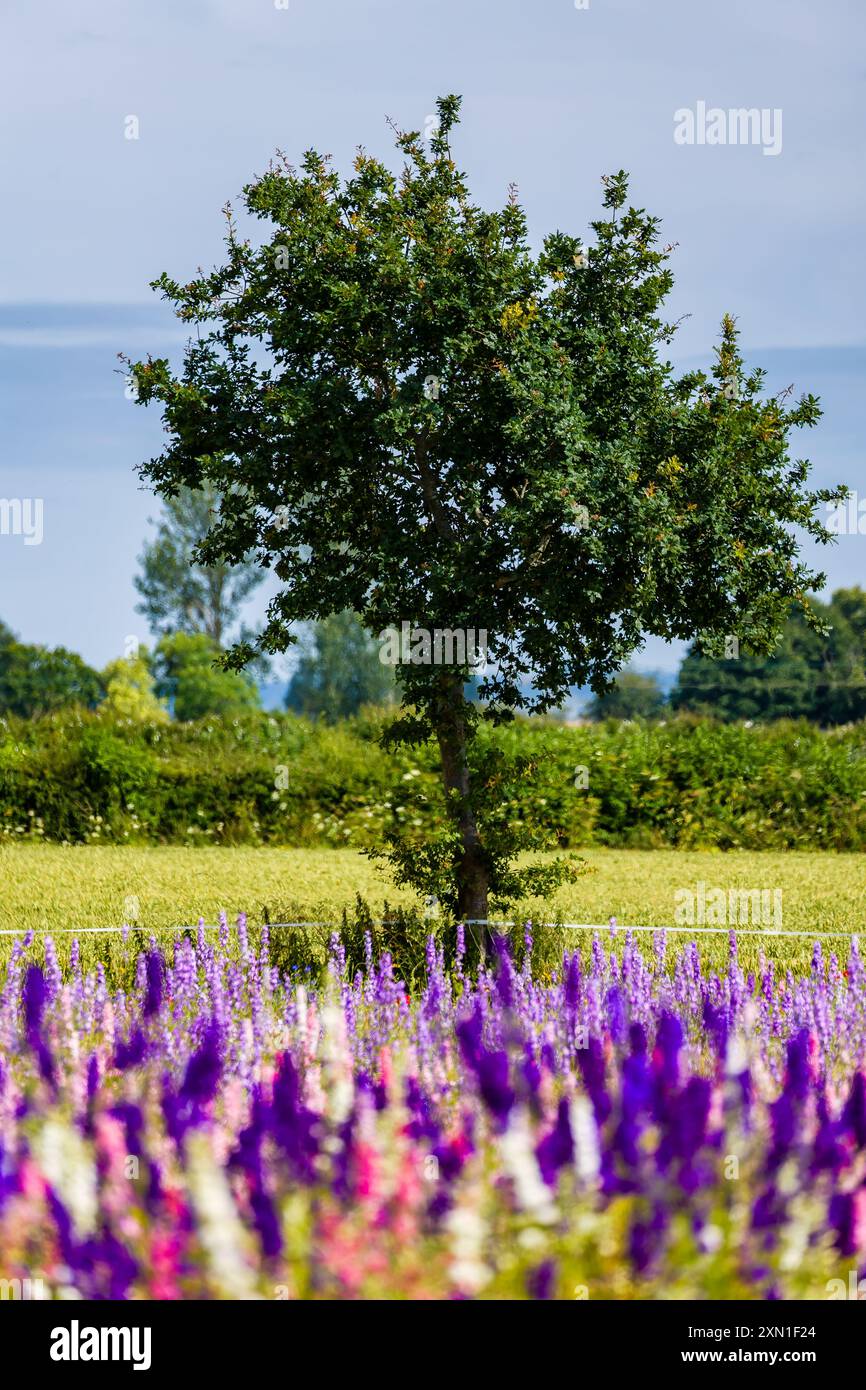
{"points": [[821, 678], [281, 779], [194, 611], [811, 676]]}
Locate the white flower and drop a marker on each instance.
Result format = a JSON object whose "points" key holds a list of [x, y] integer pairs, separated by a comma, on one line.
{"points": [[521, 1165], [710, 1239], [737, 1057], [66, 1163], [587, 1155], [219, 1227], [465, 1225], [301, 1008]]}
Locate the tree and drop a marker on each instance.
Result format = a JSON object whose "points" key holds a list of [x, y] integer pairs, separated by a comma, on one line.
{"points": [[811, 675], [634, 696], [189, 676], [129, 693], [180, 592], [35, 680], [843, 687], [339, 671], [412, 415]]}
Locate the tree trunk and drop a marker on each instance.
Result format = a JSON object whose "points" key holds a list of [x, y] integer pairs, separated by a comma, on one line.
{"points": [[473, 870]]}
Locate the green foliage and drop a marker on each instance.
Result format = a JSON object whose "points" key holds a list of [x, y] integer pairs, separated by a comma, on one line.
{"points": [[410, 413], [634, 696], [282, 780], [340, 671], [458, 504], [129, 693], [819, 675], [35, 680], [187, 673], [180, 592], [421, 839]]}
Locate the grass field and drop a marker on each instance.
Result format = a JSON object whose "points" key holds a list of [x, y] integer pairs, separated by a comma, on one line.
{"points": [[50, 888]]}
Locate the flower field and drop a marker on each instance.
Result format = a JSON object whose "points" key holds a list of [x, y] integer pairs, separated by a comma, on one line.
{"points": [[627, 1124]]}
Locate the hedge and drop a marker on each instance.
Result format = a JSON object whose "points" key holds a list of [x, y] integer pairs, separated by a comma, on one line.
{"points": [[279, 779]]}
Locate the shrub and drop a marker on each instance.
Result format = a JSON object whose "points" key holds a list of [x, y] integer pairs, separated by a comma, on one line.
{"points": [[280, 779]]}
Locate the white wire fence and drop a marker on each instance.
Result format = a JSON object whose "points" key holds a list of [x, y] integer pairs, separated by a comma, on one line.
{"points": [[613, 928]]}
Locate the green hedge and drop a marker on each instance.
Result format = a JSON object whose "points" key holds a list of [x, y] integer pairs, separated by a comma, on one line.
{"points": [[279, 779]]}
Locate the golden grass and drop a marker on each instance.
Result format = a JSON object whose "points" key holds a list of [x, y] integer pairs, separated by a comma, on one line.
{"points": [[51, 888]]}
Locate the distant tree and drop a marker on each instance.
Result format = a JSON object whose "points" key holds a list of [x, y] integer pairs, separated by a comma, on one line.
{"points": [[187, 675], [129, 692], [634, 696], [842, 674], [181, 593], [35, 680], [812, 674], [339, 671]]}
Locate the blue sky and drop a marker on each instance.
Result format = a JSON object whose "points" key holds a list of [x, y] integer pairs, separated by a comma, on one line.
{"points": [[554, 97]]}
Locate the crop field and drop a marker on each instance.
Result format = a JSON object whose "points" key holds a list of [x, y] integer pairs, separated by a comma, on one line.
{"points": [[60, 889]]}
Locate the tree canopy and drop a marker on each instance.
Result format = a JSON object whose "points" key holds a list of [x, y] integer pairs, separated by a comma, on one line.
{"points": [[129, 692], [408, 412], [817, 675], [189, 676], [339, 671], [179, 592], [635, 695], [36, 680]]}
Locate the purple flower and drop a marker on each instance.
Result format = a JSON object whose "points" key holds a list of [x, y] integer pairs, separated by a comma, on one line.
{"points": [[422, 1125], [854, 1113], [131, 1053], [768, 1211], [556, 1149], [92, 1076], [645, 1238], [132, 1120], [616, 1015], [541, 1281], [669, 1040], [572, 980], [504, 973], [154, 970], [828, 1152], [34, 995], [292, 1124], [799, 1078], [493, 1083], [716, 1025], [591, 1062], [203, 1070], [266, 1222], [469, 1037], [842, 1219]]}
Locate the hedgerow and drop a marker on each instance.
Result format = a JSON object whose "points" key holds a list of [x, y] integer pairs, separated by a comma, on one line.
{"points": [[281, 779]]}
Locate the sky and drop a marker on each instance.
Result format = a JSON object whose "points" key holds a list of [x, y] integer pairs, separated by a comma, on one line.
{"points": [[554, 96]]}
